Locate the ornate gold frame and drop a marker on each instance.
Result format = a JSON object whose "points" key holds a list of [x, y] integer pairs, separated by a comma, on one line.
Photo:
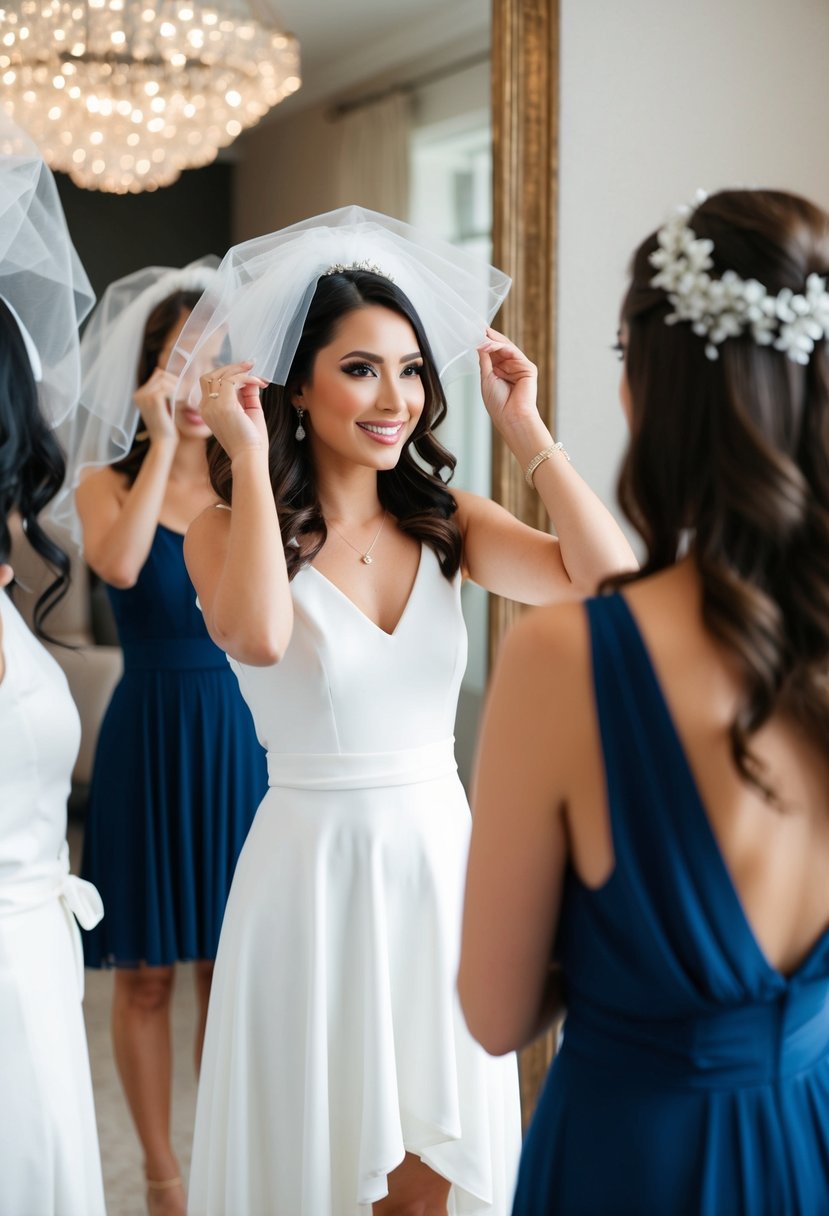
{"points": [[525, 66]]}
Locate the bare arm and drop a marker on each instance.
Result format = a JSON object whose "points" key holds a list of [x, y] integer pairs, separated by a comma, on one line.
{"points": [[235, 558], [509, 988], [508, 557], [119, 522]]}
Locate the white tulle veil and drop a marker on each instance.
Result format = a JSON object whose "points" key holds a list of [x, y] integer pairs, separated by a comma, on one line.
{"points": [[41, 277], [103, 427], [257, 304]]}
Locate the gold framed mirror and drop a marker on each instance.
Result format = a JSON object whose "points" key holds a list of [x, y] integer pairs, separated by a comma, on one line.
{"points": [[525, 91]]}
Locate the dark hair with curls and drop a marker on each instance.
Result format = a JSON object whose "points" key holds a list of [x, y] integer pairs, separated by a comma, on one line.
{"points": [[156, 331], [414, 491], [733, 456], [32, 465]]}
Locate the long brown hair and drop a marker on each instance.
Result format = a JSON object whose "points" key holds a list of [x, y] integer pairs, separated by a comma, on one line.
{"points": [[731, 457], [157, 329], [414, 491]]}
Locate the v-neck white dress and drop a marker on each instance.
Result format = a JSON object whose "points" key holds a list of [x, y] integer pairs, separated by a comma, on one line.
{"points": [[335, 1042], [49, 1160]]}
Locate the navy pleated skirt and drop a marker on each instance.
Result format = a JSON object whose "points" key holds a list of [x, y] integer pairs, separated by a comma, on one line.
{"points": [[178, 776]]}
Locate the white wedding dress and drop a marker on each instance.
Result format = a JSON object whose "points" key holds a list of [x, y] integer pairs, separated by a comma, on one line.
{"points": [[49, 1159], [335, 1041]]}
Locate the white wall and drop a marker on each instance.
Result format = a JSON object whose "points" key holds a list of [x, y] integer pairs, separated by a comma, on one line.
{"points": [[658, 98]]}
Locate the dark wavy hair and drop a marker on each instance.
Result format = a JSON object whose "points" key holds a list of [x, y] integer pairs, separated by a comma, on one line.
{"points": [[156, 331], [32, 465], [414, 491], [731, 457]]}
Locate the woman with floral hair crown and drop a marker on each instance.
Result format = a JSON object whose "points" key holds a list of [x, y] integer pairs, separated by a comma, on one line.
{"points": [[651, 808], [178, 770], [338, 1075], [49, 1158]]}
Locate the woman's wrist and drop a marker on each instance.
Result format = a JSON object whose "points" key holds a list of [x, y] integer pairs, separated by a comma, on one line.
{"points": [[163, 445], [250, 456], [527, 437]]}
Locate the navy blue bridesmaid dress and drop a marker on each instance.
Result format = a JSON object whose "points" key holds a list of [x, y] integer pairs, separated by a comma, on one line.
{"points": [[693, 1079], [178, 776]]}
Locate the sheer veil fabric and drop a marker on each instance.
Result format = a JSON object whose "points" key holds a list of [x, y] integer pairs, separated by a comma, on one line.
{"points": [[41, 275], [103, 427], [257, 304]]}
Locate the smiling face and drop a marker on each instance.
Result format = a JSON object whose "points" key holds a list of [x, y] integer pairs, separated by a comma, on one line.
{"points": [[366, 392]]}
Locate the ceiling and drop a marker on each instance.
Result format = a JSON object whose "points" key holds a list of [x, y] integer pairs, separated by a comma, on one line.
{"points": [[344, 42]]}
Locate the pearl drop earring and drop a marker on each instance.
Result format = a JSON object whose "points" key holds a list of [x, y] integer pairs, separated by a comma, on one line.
{"points": [[299, 433]]}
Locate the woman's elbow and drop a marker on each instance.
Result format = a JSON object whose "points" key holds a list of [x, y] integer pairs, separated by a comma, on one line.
{"points": [[120, 575], [261, 653], [484, 1018], [488, 1031], [258, 647]]}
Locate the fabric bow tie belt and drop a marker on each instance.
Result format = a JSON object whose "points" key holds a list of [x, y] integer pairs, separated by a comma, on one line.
{"points": [[41, 884]]}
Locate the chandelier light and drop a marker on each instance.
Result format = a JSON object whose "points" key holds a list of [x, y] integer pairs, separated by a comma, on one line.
{"points": [[123, 95]]}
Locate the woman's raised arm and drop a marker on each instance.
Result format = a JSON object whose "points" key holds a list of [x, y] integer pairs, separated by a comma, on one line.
{"points": [[506, 556], [235, 558]]}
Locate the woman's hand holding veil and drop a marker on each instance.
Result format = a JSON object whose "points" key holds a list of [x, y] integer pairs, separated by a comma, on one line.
{"points": [[509, 383], [231, 407]]}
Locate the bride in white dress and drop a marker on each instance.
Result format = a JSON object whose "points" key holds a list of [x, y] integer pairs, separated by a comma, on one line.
{"points": [[338, 1075], [49, 1160]]}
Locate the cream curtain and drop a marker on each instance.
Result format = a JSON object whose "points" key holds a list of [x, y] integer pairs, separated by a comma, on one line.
{"points": [[373, 155]]}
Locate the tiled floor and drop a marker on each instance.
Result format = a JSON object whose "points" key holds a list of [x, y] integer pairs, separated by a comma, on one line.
{"points": [[120, 1151]]}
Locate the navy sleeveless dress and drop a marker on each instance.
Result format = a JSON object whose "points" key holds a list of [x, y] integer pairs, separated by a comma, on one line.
{"points": [[693, 1077], [178, 776]]}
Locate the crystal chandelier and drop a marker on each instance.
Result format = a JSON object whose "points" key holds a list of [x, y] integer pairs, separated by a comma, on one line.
{"points": [[122, 96]]}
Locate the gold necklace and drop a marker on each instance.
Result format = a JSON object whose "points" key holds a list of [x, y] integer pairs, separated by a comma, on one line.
{"points": [[365, 557]]}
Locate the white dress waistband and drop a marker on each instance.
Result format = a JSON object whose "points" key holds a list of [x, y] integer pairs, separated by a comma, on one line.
{"points": [[361, 770]]}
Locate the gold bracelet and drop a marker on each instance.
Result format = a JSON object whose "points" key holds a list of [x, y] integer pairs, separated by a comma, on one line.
{"points": [[540, 457]]}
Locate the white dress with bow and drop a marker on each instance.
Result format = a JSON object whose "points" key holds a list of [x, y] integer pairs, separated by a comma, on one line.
{"points": [[49, 1159]]}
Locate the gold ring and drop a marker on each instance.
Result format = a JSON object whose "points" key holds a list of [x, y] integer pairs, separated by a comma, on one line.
{"points": [[213, 396]]}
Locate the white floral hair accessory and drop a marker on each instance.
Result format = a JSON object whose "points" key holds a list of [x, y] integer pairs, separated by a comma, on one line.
{"points": [[728, 306]]}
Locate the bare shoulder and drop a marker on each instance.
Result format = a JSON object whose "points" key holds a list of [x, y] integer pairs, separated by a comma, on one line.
{"points": [[473, 506], [543, 672], [98, 484], [208, 526], [479, 517], [217, 515], [557, 634]]}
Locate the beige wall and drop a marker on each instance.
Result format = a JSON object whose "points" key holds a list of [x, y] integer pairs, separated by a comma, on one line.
{"points": [[658, 98], [285, 169], [285, 173]]}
